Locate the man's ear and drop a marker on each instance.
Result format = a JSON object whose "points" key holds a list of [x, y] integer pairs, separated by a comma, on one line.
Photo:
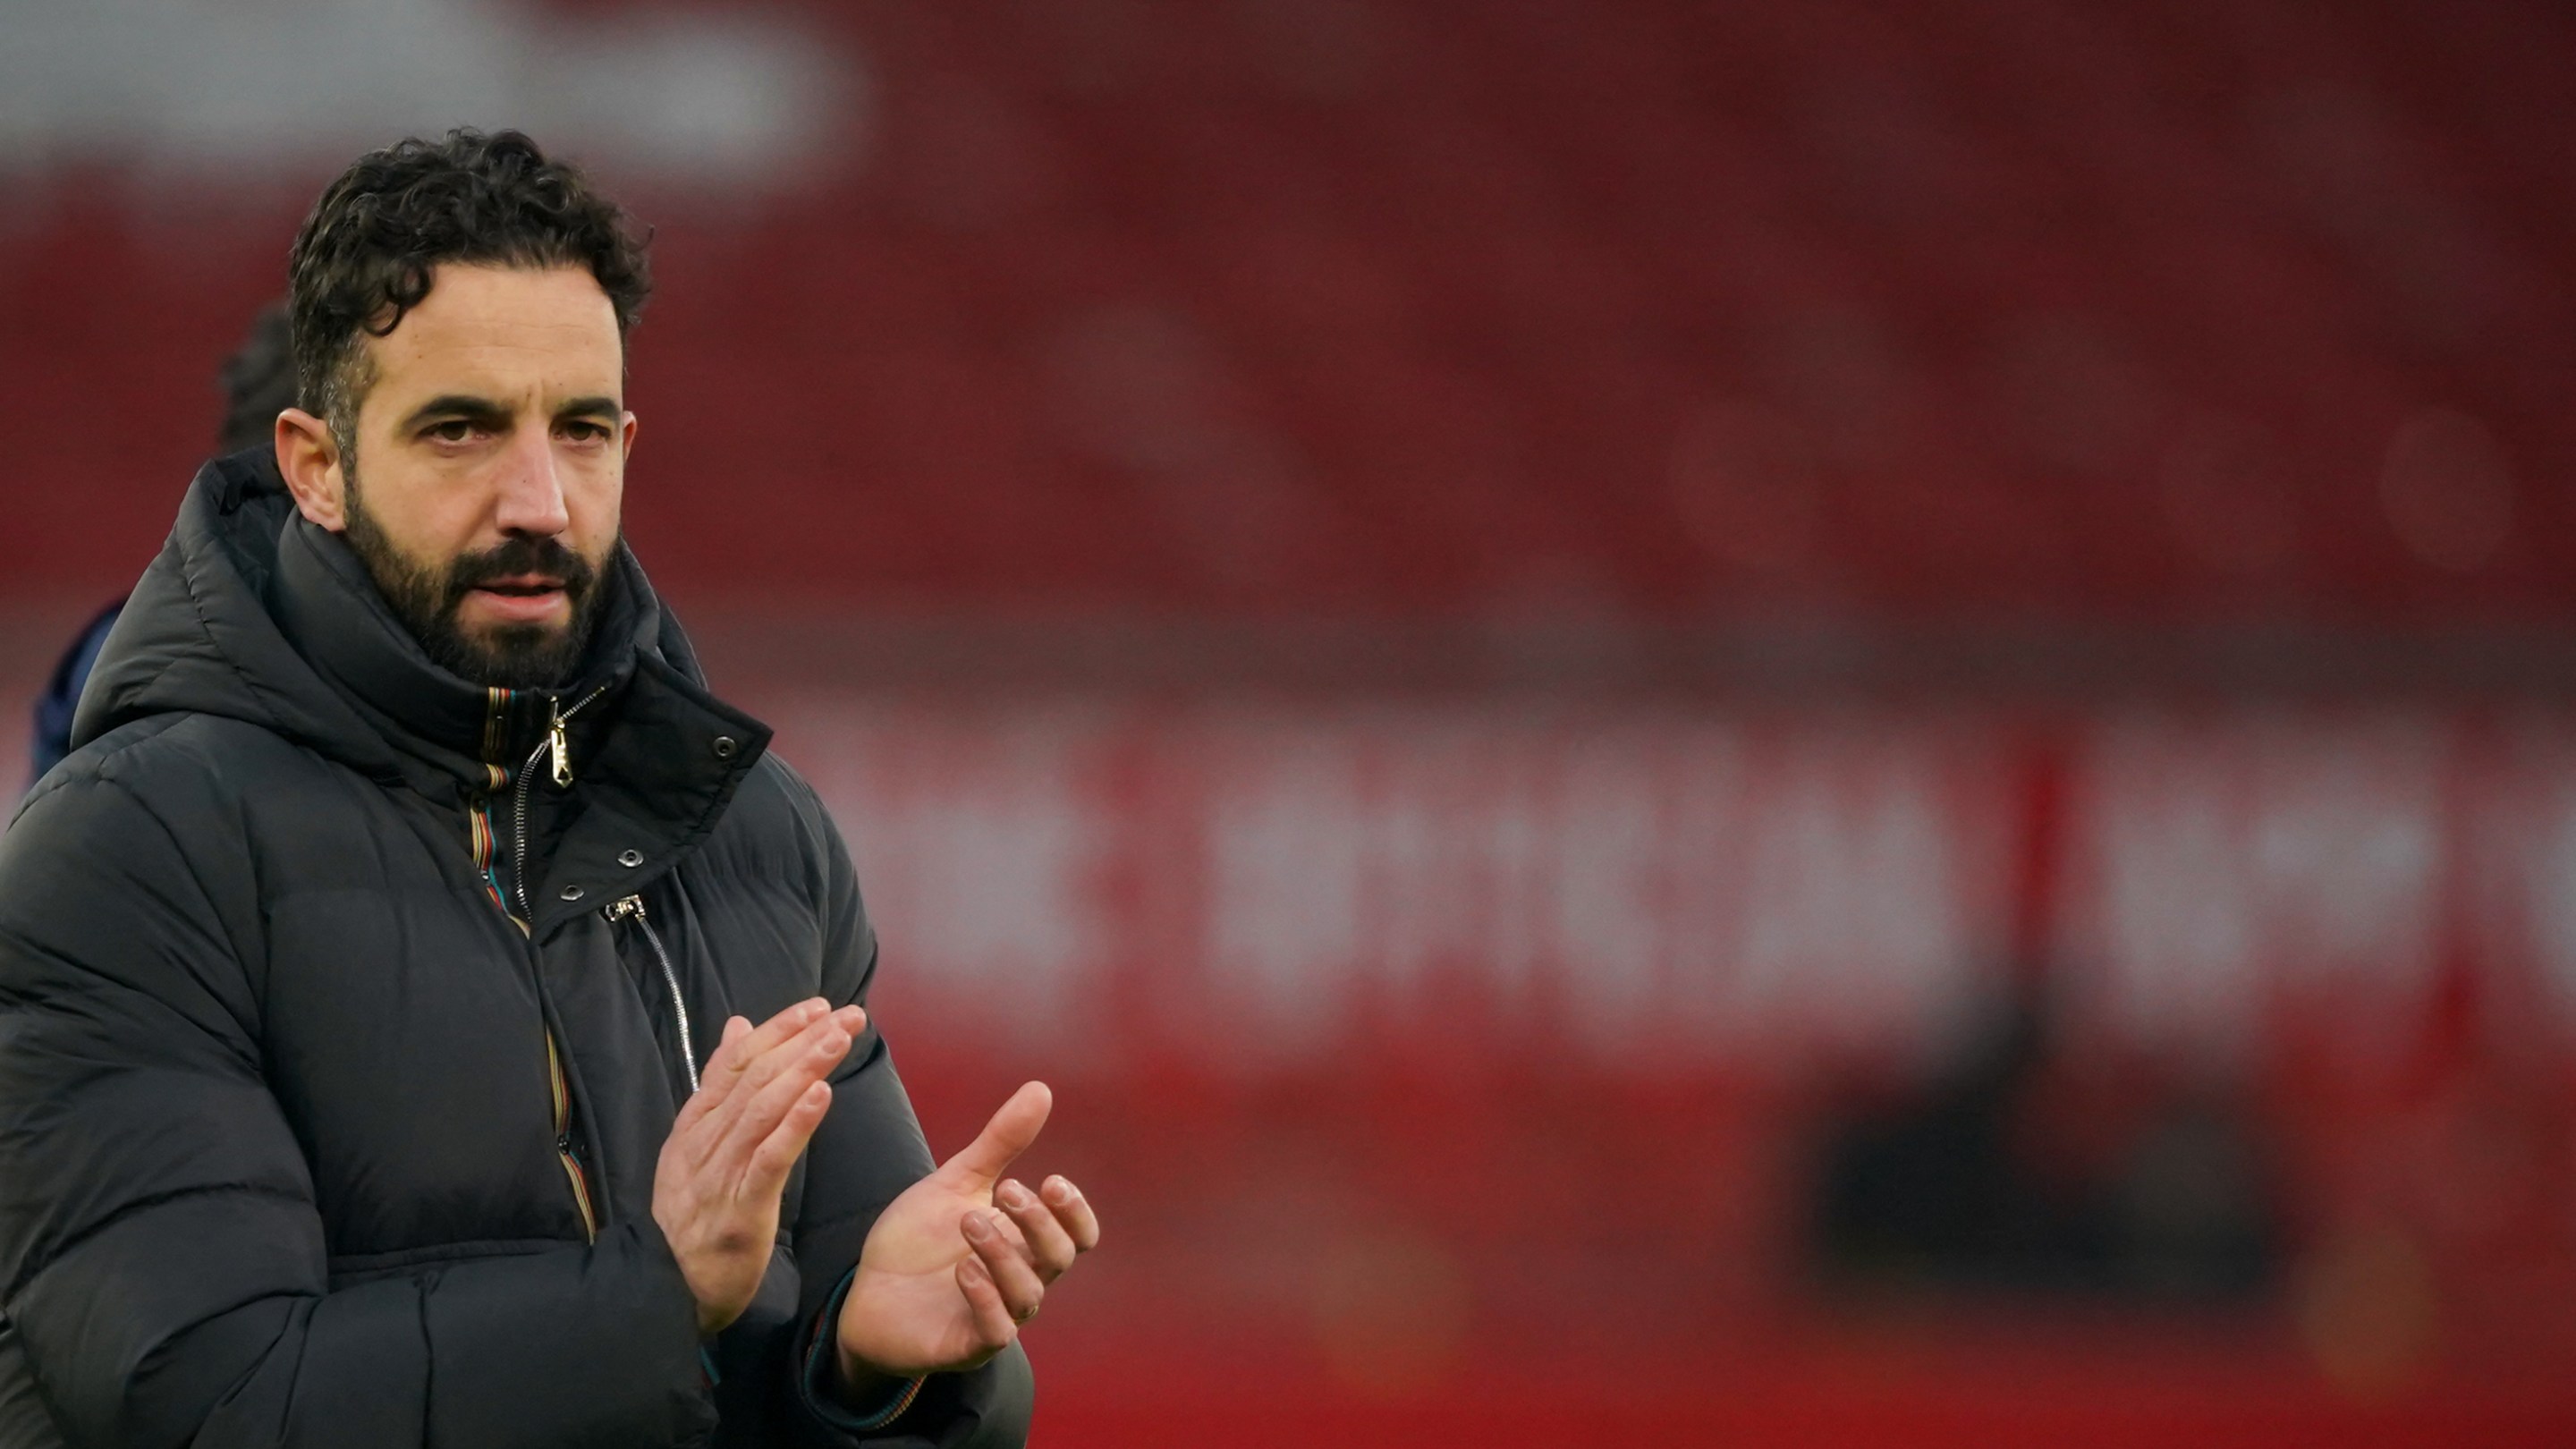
{"points": [[309, 459]]}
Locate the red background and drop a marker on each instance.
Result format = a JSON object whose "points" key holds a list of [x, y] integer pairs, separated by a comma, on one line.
{"points": [[1851, 369]]}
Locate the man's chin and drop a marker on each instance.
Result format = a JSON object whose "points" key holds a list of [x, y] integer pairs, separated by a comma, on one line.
{"points": [[514, 656]]}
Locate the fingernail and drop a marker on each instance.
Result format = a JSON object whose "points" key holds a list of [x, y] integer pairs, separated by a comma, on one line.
{"points": [[1059, 1190], [976, 1227], [1013, 1195]]}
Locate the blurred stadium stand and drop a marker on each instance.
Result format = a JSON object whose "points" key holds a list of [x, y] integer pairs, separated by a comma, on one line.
{"points": [[1511, 628]]}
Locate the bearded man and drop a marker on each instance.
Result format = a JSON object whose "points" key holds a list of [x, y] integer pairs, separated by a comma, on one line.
{"points": [[427, 1015]]}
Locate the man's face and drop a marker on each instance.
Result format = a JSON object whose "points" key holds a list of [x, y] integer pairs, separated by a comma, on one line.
{"points": [[490, 466]]}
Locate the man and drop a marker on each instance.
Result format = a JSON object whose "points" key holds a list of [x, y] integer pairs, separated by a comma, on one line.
{"points": [[259, 383], [361, 1080]]}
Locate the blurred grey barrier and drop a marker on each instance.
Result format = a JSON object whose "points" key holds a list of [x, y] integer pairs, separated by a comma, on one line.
{"points": [[233, 94]]}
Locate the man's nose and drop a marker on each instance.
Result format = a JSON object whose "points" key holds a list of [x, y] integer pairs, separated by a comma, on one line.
{"points": [[531, 500]]}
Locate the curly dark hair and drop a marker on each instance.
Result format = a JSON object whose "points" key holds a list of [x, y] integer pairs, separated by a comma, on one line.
{"points": [[365, 254]]}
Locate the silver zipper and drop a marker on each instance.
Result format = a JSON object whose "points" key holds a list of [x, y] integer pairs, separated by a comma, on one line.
{"points": [[558, 745], [634, 906]]}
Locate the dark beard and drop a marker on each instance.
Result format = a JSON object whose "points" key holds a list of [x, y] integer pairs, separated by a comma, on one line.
{"points": [[517, 656]]}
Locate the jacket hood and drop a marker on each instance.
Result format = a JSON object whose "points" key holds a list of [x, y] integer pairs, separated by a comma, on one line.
{"points": [[251, 613]]}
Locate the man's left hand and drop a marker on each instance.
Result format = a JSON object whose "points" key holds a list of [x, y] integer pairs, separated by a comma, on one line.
{"points": [[963, 1258]]}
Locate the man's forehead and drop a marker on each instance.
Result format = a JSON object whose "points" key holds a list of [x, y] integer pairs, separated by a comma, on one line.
{"points": [[511, 334]]}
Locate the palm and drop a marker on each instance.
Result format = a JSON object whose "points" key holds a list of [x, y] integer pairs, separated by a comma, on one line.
{"points": [[910, 1310], [905, 1313]]}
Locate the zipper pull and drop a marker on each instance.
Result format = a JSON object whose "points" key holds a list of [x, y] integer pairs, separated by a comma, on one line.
{"points": [[558, 745], [619, 910]]}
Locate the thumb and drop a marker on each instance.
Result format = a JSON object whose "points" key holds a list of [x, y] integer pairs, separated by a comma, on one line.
{"points": [[984, 1160]]}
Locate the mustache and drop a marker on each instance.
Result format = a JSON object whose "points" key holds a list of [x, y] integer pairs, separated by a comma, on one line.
{"points": [[517, 556]]}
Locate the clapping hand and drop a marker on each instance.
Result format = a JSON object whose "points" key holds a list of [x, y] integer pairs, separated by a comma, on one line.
{"points": [[963, 1258], [717, 1185]]}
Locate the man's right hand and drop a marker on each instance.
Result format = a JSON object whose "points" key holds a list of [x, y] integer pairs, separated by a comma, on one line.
{"points": [[716, 1187]]}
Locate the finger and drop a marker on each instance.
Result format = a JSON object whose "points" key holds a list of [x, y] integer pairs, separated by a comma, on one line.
{"points": [[744, 1044], [751, 1074], [993, 1325], [745, 1116], [717, 1077], [1050, 1247], [756, 1113], [1012, 1273], [1017, 1242], [1073, 1210], [984, 1160], [776, 1153], [770, 1033]]}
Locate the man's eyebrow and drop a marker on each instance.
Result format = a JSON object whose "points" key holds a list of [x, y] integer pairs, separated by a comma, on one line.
{"points": [[590, 407], [472, 409]]}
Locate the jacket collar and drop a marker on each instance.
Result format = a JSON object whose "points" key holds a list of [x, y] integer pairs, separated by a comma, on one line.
{"points": [[657, 758], [249, 613], [331, 610]]}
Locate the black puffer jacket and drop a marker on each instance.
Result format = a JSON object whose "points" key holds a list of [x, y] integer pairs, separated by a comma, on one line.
{"points": [[325, 1119]]}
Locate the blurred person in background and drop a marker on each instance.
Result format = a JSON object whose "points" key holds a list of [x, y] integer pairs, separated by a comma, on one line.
{"points": [[358, 959], [2024, 1167], [259, 383]]}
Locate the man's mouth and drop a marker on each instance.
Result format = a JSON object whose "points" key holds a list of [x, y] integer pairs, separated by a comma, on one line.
{"points": [[522, 584], [522, 597]]}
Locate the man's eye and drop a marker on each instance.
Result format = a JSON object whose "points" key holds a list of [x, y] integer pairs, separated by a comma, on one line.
{"points": [[586, 432], [454, 430]]}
